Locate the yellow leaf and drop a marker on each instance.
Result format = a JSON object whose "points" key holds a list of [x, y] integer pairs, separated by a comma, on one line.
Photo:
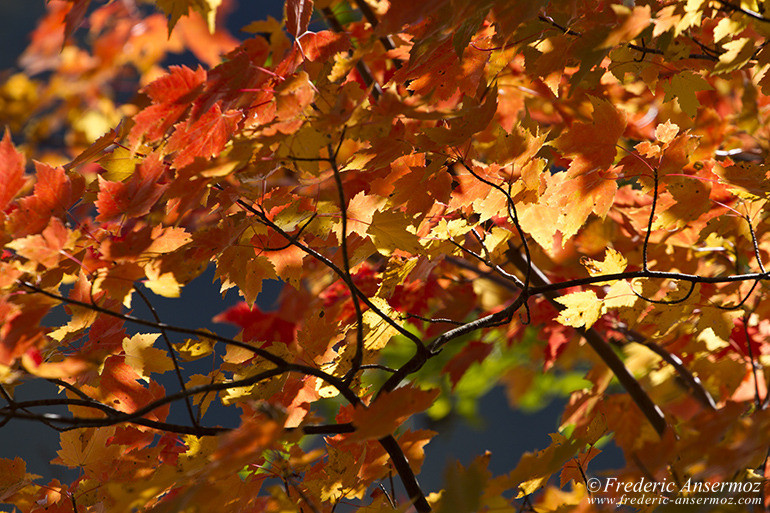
{"points": [[390, 231], [465, 486], [727, 27], [192, 349], [162, 284], [87, 450], [619, 294], [534, 469], [143, 357], [613, 263], [240, 265], [720, 322], [738, 53], [583, 309], [377, 331], [682, 87], [395, 274], [120, 164], [203, 401], [175, 9]]}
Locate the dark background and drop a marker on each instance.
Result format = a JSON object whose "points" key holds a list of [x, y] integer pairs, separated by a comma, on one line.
{"points": [[506, 433]]}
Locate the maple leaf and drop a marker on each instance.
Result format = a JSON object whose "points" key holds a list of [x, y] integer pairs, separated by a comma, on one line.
{"points": [[258, 325], [534, 469], [11, 171], [119, 387], [582, 309], [75, 16], [473, 352], [632, 22], [465, 486], [249, 277], [439, 72], [144, 358], [175, 9], [136, 196], [13, 477], [613, 263], [593, 145], [171, 95], [389, 411], [87, 449], [683, 87], [204, 137], [575, 469], [323, 45], [390, 231], [452, 135]]}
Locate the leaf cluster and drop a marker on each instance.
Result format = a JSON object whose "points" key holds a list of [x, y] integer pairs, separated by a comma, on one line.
{"points": [[455, 195]]}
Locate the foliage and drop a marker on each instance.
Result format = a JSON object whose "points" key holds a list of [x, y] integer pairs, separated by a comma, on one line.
{"points": [[429, 180]]}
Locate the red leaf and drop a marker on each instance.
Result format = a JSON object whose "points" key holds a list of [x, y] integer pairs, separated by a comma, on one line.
{"points": [[204, 137], [172, 95], [75, 16], [135, 197], [258, 325], [321, 46], [297, 14], [11, 171], [473, 352]]}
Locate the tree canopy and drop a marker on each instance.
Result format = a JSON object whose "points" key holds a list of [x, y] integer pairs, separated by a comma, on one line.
{"points": [[456, 194]]}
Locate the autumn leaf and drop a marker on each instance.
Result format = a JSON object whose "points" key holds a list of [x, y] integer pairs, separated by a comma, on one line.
{"points": [[390, 410], [87, 449], [175, 9], [473, 352], [11, 171], [390, 231], [489, 160], [592, 145], [203, 137], [613, 263], [683, 87], [136, 196], [171, 95], [297, 15], [258, 325], [465, 486], [534, 469], [321, 46], [144, 358], [576, 469], [14, 477], [582, 309], [46, 249]]}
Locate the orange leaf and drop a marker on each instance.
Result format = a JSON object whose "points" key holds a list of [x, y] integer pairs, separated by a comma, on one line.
{"points": [[205, 137], [11, 171], [171, 95], [137, 196], [390, 410], [593, 145], [321, 46]]}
